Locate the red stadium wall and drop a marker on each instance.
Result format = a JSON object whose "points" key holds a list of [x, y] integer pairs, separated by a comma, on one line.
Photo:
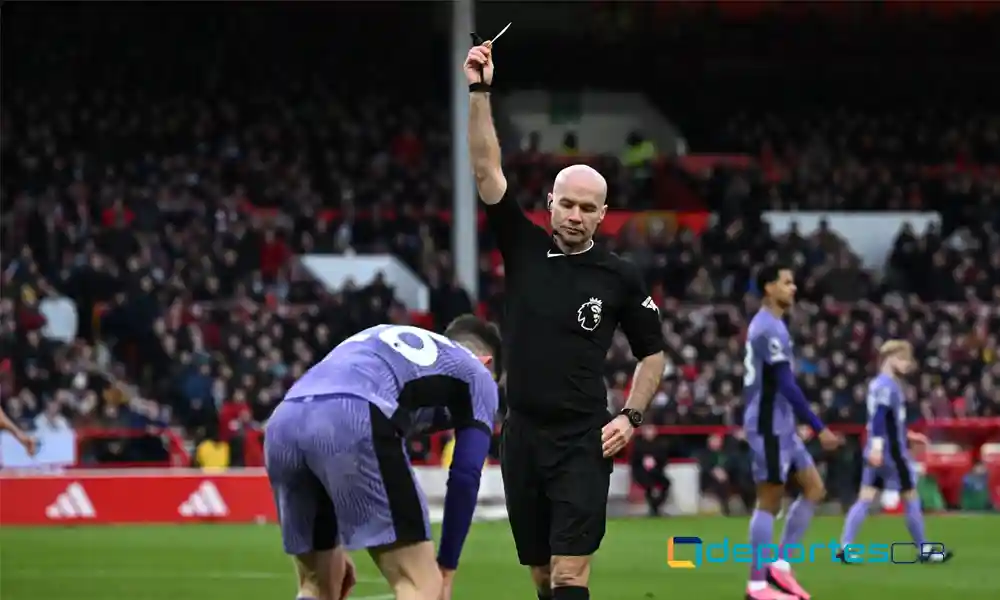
{"points": [[172, 495], [136, 496]]}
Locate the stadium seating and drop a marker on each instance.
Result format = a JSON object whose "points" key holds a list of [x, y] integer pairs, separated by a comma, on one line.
{"points": [[170, 171], [171, 217]]}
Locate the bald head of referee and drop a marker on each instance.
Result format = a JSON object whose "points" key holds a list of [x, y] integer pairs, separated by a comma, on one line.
{"points": [[577, 205]]}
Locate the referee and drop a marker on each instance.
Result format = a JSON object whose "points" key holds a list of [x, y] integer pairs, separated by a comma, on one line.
{"points": [[565, 297]]}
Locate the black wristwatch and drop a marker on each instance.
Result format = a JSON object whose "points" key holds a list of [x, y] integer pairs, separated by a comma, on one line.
{"points": [[634, 416]]}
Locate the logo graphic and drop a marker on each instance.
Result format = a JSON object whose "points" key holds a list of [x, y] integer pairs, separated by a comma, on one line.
{"points": [[589, 314], [680, 541], [71, 504], [777, 350], [552, 254], [648, 303], [206, 501], [897, 553]]}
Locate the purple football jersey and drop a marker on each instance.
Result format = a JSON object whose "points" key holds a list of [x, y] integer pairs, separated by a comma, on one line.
{"points": [[768, 344], [885, 391], [436, 382], [334, 450], [898, 470]]}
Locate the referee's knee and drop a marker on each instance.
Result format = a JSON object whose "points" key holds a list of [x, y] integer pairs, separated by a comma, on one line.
{"points": [[570, 571], [542, 577]]}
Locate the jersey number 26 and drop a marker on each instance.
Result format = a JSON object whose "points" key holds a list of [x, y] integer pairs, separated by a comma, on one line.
{"points": [[423, 356]]}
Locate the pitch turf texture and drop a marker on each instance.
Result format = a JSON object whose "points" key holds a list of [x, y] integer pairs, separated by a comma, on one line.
{"points": [[225, 562]]}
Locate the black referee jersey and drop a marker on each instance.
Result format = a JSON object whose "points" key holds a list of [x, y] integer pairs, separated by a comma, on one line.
{"points": [[560, 313]]}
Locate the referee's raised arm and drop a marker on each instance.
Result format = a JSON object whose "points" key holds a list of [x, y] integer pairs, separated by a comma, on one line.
{"points": [[484, 147], [509, 225]]}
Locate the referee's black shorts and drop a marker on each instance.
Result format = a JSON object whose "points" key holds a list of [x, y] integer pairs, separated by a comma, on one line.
{"points": [[556, 484]]}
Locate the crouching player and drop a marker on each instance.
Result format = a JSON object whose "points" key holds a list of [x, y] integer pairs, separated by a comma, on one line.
{"points": [[889, 464], [339, 470]]}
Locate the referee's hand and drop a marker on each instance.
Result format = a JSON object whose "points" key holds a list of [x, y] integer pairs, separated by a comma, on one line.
{"points": [[616, 435], [479, 64]]}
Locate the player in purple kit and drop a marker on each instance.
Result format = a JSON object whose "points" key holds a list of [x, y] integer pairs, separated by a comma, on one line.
{"points": [[887, 434], [773, 401], [337, 463]]}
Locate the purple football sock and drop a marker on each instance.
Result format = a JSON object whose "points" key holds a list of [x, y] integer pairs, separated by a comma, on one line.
{"points": [[800, 514], [761, 535], [915, 521], [852, 524]]}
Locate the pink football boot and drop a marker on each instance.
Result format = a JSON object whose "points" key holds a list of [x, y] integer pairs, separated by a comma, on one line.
{"points": [[767, 593], [785, 581]]}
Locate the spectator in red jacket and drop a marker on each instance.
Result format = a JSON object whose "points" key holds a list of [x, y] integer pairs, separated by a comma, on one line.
{"points": [[117, 213], [235, 420], [233, 415], [274, 253]]}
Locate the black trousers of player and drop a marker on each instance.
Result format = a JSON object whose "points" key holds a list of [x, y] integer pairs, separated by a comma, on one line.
{"points": [[556, 484]]}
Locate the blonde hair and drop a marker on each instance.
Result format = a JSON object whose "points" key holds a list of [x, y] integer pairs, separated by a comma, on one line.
{"points": [[893, 347]]}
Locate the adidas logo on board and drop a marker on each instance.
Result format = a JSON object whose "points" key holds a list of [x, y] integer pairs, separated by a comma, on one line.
{"points": [[71, 504], [206, 501]]}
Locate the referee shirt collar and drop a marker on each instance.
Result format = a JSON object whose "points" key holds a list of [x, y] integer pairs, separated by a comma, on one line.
{"points": [[555, 252]]}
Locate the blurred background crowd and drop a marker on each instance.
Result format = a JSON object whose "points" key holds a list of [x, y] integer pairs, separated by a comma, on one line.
{"points": [[158, 199]]}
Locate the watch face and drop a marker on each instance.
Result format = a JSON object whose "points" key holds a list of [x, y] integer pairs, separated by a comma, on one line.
{"points": [[635, 417]]}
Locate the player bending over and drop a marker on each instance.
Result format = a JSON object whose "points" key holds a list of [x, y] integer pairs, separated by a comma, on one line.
{"points": [[773, 401], [887, 434], [339, 469]]}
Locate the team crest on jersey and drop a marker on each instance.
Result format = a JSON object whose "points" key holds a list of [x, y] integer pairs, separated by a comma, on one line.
{"points": [[777, 350], [589, 314]]}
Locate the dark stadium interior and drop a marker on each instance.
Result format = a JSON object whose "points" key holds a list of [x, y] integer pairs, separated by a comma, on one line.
{"points": [[164, 166]]}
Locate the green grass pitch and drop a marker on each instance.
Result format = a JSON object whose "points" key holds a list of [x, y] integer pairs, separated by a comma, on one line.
{"points": [[226, 562]]}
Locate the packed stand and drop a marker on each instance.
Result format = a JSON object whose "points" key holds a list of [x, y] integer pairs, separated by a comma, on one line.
{"points": [[138, 207], [942, 294], [180, 270], [211, 336], [171, 223], [897, 138], [843, 313], [133, 196], [945, 161], [190, 283]]}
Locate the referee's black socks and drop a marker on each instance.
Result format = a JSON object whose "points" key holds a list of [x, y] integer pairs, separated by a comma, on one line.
{"points": [[570, 593]]}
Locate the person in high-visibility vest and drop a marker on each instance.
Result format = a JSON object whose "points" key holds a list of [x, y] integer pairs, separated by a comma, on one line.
{"points": [[212, 454]]}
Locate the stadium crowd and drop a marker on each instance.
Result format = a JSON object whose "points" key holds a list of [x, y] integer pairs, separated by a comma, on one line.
{"points": [[196, 331], [173, 222]]}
